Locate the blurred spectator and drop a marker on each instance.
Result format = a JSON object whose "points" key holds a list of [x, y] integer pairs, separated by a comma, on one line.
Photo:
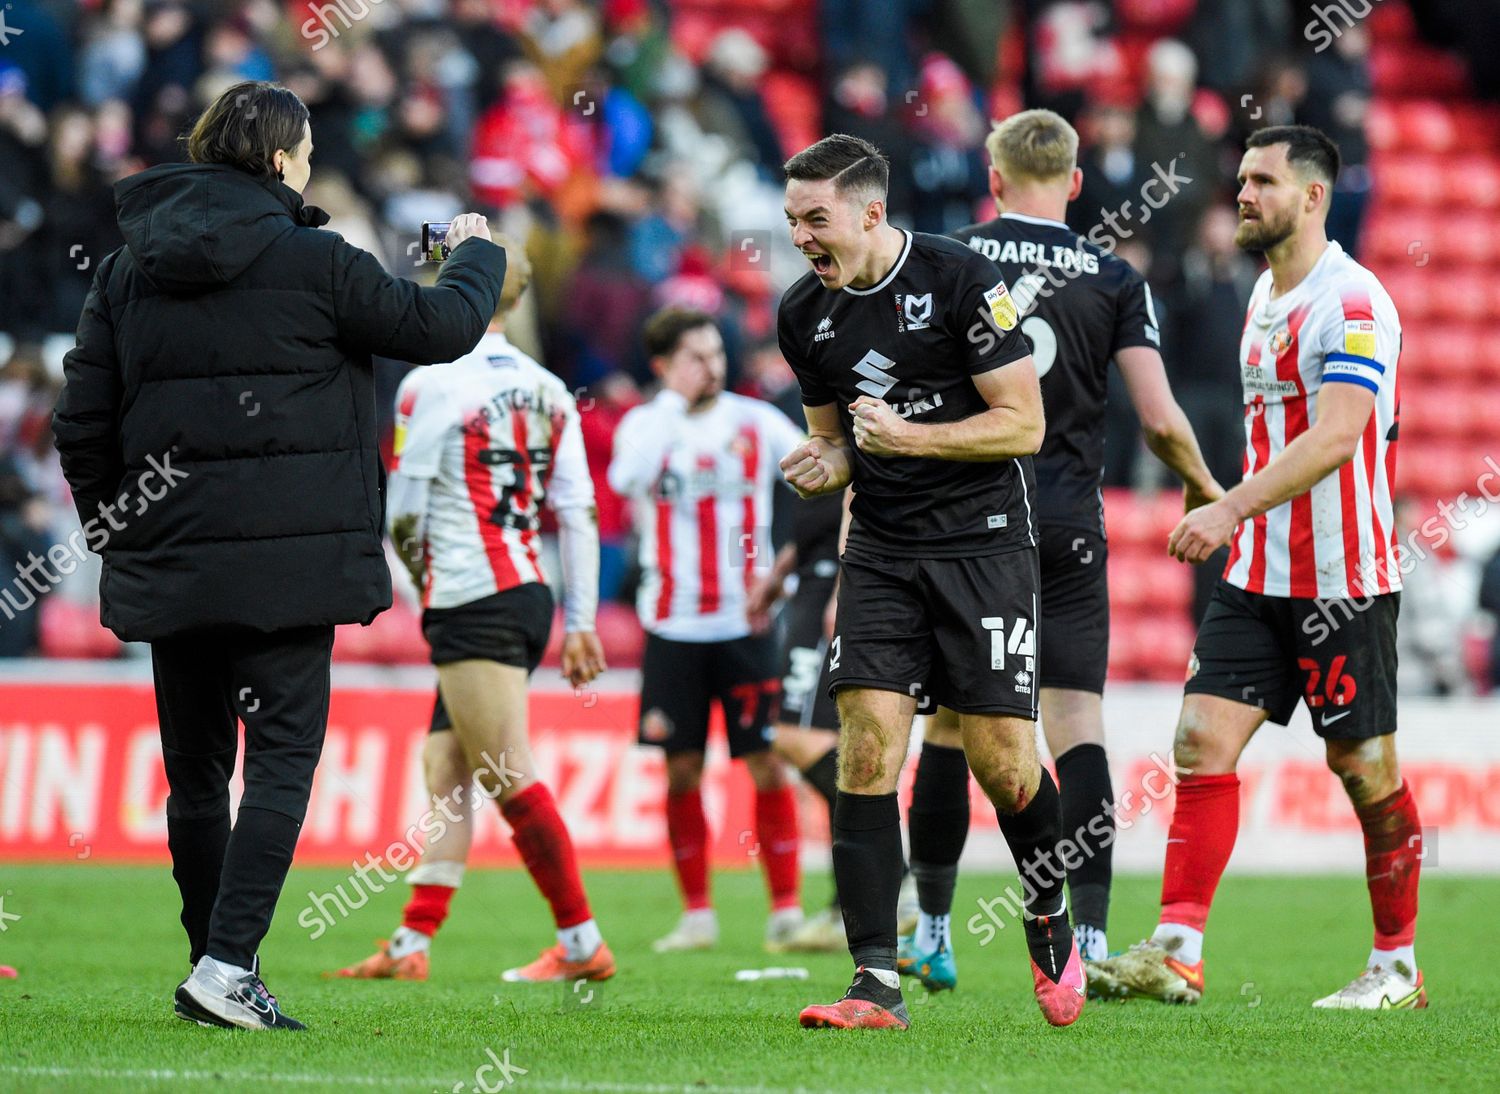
{"points": [[1231, 38], [1338, 102], [601, 407], [870, 30], [1071, 51], [26, 517], [78, 222], [1205, 314], [1437, 608], [1203, 317], [114, 54], [948, 174], [603, 303], [731, 104], [1169, 137], [40, 50], [657, 240], [527, 145], [1112, 172], [564, 38], [860, 106]]}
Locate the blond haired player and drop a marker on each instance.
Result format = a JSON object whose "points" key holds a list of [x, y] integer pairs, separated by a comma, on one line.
{"points": [[1081, 307]]}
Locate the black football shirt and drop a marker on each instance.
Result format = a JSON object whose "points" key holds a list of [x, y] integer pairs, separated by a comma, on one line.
{"points": [[1079, 305], [915, 340]]}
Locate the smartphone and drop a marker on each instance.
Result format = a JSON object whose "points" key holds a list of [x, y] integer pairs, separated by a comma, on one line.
{"points": [[435, 240]]}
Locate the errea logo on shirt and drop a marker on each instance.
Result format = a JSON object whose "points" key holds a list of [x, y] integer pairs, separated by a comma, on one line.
{"points": [[825, 330]]}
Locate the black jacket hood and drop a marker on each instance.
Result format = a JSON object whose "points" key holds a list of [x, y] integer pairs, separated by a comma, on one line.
{"points": [[194, 226]]}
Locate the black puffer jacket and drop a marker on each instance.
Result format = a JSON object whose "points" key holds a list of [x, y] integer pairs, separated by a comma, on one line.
{"points": [[218, 422]]}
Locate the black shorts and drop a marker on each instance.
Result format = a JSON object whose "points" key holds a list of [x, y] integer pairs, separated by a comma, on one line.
{"points": [[958, 631], [1075, 609], [511, 627], [805, 700], [1339, 656], [681, 680]]}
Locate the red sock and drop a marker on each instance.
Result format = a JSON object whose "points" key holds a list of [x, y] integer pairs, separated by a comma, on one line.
{"points": [[1393, 859], [1204, 824], [687, 829], [776, 831], [547, 850], [427, 908]]}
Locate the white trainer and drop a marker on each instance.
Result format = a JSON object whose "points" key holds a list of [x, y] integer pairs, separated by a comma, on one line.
{"points": [[1379, 989], [782, 927], [697, 930]]}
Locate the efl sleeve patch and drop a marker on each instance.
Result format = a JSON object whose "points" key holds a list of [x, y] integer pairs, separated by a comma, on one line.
{"points": [[1002, 307], [1359, 337]]}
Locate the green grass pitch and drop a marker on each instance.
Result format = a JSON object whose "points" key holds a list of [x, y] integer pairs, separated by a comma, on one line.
{"points": [[99, 951]]}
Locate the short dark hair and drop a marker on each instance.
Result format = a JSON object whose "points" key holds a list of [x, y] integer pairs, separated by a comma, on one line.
{"points": [[1307, 148], [851, 162], [245, 126], [664, 330]]}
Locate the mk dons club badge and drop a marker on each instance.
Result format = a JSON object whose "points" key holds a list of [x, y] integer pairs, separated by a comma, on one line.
{"points": [[1002, 307]]}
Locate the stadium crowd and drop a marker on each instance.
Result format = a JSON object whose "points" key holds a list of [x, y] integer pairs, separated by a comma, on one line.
{"points": [[635, 147]]}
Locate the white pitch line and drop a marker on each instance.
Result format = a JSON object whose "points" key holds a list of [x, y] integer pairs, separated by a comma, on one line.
{"points": [[444, 1084]]}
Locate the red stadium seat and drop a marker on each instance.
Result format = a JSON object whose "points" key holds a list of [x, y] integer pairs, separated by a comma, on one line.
{"points": [[1425, 126], [1381, 127], [1470, 181], [1412, 291], [1410, 179], [1463, 299], [1125, 519], [1398, 237], [1468, 239]]}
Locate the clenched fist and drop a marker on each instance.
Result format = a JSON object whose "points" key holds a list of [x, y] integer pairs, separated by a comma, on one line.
{"points": [[878, 429]]}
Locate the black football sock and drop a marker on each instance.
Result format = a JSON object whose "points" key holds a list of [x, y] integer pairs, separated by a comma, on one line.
{"points": [[939, 824], [197, 848], [867, 871], [1089, 821], [823, 776], [1033, 835]]}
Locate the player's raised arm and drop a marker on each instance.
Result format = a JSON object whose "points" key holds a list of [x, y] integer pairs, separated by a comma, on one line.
{"points": [[1330, 442], [1012, 426], [1166, 429], [820, 465]]}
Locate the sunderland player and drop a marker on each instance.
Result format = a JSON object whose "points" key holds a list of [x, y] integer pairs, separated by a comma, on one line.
{"points": [[920, 392], [700, 465], [1312, 538], [481, 445], [1082, 307]]}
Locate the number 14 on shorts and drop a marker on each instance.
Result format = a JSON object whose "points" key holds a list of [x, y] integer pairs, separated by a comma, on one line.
{"points": [[1017, 639]]}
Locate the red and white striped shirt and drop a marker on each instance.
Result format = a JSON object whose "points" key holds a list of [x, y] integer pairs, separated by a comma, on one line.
{"points": [[1338, 539], [497, 435], [701, 486]]}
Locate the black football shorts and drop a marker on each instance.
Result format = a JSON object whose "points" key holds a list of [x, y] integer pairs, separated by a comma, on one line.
{"points": [[1075, 609], [1337, 656], [805, 701], [511, 627], [958, 631], [681, 680]]}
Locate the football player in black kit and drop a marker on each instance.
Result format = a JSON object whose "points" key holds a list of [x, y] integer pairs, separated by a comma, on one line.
{"points": [[1081, 308], [920, 392]]}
